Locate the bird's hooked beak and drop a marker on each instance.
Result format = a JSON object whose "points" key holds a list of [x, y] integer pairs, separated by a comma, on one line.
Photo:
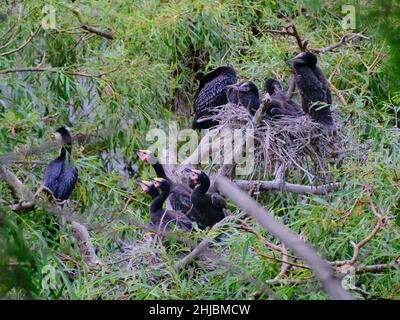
{"points": [[157, 182], [144, 155], [195, 175], [145, 185], [232, 86], [296, 59]]}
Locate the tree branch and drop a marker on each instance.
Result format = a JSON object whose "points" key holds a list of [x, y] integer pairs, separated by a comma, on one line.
{"points": [[2, 54], [288, 187], [344, 40], [321, 268], [91, 29]]}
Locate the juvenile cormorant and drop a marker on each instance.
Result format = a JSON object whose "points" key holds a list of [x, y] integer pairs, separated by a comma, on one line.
{"points": [[161, 218], [281, 105], [149, 188], [210, 94], [179, 196], [209, 205], [245, 94], [313, 87], [60, 175]]}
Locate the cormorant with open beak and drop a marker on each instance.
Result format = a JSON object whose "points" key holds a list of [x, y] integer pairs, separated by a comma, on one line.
{"points": [[179, 196]]}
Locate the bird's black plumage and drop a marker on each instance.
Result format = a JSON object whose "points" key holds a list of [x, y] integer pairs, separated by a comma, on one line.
{"points": [[281, 104], [245, 94], [210, 94], [209, 205], [61, 175], [313, 87], [179, 196], [162, 219]]}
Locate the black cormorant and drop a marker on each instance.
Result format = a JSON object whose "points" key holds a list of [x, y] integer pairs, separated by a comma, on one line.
{"points": [[313, 87], [179, 197], [160, 218], [245, 94], [210, 94], [281, 105], [61, 175], [209, 205]]}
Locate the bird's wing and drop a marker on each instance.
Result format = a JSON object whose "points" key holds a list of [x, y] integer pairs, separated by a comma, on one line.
{"points": [[178, 218], [51, 175], [324, 83], [311, 91], [218, 201], [67, 182], [180, 197], [212, 94]]}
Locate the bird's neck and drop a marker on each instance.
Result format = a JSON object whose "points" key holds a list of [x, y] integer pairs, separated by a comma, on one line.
{"points": [[65, 152], [158, 202], [203, 186], [159, 169]]}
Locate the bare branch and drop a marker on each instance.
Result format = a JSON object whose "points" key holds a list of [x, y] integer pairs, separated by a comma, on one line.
{"points": [[344, 40], [203, 245], [85, 245], [321, 268], [91, 29], [357, 246], [2, 54], [288, 187]]}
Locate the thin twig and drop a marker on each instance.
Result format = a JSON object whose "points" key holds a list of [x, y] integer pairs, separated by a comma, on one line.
{"points": [[2, 54]]}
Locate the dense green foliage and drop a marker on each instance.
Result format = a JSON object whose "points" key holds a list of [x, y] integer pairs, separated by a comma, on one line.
{"points": [[151, 70]]}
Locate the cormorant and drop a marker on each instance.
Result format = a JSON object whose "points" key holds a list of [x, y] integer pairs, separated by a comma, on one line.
{"points": [[60, 175], [210, 94], [245, 94], [179, 196], [149, 188], [209, 205], [313, 87], [161, 218], [281, 105]]}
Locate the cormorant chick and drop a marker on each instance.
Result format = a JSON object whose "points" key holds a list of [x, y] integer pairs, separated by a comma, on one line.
{"points": [[281, 105], [209, 205], [161, 218], [149, 188], [313, 87], [60, 175], [179, 197], [210, 94], [245, 94]]}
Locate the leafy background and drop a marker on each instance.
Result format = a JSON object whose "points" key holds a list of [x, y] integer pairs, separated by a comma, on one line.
{"points": [[152, 66]]}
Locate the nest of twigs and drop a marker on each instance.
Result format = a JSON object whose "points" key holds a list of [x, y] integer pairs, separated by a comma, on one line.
{"points": [[294, 143], [148, 257]]}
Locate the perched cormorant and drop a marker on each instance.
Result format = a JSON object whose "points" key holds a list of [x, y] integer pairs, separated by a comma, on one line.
{"points": [[161, 218], [245, 94], [281, 105], [179, 196], [210, 94], [209, 205], [313, 87], [60, 175]]}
